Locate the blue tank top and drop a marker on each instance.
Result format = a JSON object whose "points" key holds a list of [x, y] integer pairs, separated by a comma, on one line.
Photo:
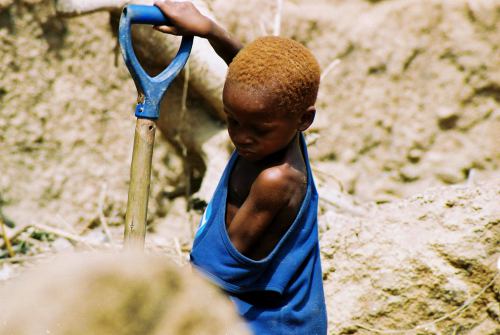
{"points": [[281, 293]]}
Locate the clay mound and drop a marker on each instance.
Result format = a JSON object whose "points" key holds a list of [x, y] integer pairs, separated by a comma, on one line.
{"points": [[66, 127], [406, 264], [413, 103], [114, 294]]}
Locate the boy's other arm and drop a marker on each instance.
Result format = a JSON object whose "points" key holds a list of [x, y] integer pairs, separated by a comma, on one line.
{"points": [[270, 192], [187, 20]]}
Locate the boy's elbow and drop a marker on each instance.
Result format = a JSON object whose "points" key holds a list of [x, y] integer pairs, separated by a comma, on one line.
{"points": [[239, 241]]}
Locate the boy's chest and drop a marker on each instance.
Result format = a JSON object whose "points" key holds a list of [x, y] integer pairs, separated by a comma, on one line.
{"points": [[240, 183]]}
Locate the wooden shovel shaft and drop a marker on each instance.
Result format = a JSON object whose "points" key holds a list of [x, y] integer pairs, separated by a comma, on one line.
{"points": [[140, 176]]}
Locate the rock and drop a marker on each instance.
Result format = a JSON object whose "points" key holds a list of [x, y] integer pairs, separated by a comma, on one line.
{"points": [[62, 245], [413, 261], [414, 155], [5, 272], [447, 118], [5, 3], [102, 293], [483, 11], [449, 175], [409, 173]]}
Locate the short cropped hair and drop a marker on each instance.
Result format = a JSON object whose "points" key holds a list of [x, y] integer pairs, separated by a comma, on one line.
{"points": [[279, 66]]}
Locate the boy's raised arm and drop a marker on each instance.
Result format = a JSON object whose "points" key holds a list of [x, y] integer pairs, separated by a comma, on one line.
{"points": [[271, 191], [187, 20]]}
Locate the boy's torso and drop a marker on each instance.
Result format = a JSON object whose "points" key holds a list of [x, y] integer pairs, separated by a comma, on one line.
{"points": [[290, 163], [283, 293]]}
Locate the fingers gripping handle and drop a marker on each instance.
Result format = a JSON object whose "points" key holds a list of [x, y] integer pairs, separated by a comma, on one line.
{"points": [[150, 89]]}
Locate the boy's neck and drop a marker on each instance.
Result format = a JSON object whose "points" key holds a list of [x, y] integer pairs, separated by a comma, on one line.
{"points": [[278, 157]]}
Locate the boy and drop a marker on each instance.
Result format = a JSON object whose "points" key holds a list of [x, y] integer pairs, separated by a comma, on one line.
{"points": [[258, 237]]}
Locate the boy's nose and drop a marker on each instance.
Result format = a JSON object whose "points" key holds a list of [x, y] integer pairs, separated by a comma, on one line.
{"points": [[241, 139]]}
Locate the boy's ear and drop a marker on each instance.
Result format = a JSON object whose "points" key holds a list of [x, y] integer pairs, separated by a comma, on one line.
{"points": [[307, 118]]}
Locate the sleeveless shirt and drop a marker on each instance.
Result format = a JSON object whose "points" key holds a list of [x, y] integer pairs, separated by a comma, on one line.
{"points": [[281, 293]]}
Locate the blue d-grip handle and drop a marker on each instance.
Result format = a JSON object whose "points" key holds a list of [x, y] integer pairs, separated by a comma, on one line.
{"points": [[151, 89]]}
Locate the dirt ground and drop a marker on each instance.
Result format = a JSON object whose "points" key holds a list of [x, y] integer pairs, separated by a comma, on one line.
{"points": [[414, 100], [412, 104]]}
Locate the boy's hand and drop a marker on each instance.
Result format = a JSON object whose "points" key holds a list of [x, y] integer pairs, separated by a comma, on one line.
{"points": [[186, 19]]}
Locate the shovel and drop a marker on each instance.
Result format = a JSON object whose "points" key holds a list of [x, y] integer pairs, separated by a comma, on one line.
{"points": [[150, 91]]}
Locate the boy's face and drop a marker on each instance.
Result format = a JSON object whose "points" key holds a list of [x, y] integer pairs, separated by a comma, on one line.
{"points": [[256, 126]]}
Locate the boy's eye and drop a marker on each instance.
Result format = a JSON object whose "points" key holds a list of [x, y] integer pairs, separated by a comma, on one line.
{"points": [[231, 121], [261, 131]]}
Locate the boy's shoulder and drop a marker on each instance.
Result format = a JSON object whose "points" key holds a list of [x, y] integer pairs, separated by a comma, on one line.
{"points": [[276, 185]]}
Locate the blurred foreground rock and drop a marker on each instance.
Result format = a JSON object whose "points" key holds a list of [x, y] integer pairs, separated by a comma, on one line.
{"points": [[414, 261], [114, 294]]}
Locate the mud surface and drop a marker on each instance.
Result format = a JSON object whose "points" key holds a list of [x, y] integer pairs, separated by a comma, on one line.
{"points": [[414, 100], [424, 265]]}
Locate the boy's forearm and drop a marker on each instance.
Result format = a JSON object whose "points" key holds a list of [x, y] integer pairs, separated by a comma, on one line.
{"points": [[223, 43]]}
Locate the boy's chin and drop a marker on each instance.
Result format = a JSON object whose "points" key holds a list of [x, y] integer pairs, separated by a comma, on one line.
{"points": [[249, 155]]}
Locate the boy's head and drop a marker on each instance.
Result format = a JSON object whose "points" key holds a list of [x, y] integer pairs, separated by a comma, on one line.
{"points": [[278, 66], [273, 82]]}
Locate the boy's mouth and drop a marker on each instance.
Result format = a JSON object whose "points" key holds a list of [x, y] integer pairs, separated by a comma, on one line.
{"points": [[244, 151], [242, 147]]}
